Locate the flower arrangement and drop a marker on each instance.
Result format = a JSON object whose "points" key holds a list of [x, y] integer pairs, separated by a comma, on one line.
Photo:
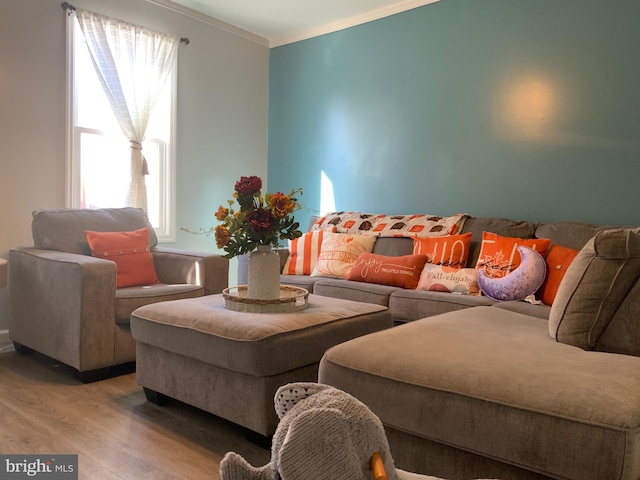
{"points": [[257, 220]]}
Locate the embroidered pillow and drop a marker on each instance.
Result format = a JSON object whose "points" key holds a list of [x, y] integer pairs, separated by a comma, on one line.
{"points": [[558, 260], [401, 271], [442, 278], [499, 255], [303, 253], [131, 253], [339, 253], [452, 250]]}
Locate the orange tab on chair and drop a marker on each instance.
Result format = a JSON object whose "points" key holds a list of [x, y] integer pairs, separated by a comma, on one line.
{"points": [[377, 467]]}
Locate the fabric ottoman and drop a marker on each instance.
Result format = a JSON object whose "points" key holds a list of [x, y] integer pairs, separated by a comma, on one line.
{"points": [[231, 363]]}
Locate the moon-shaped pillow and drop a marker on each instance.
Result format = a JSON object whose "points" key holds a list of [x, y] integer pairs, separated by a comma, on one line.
{"points": [[518, 284]]}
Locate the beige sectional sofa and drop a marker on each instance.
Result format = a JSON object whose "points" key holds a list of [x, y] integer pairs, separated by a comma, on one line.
{"points": [[408, 305], [468, 387]]}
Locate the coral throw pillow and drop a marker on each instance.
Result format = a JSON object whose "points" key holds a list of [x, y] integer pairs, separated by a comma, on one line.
{"points": [[558, 260], [442, 278], [131, 253], [303, 253], [401, 271], [452, 250], [499, 255], [339, 253]]}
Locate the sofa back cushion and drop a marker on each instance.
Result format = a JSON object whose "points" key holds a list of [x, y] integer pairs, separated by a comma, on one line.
{"points": [[63, 229], [597, 299], [570, 234]]}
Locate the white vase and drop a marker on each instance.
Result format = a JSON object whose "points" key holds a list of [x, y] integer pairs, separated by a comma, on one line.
{"points": [[264, 274]]}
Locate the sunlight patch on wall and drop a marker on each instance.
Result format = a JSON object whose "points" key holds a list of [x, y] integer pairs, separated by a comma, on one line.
{"points": [[327, 198], [528, 107]]}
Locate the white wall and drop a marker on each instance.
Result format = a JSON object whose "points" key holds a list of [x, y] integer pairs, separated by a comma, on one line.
{"points": [[221, 128]]}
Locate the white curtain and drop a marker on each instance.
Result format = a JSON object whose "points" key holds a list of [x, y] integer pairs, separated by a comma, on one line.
{"points": [[133, 64]]}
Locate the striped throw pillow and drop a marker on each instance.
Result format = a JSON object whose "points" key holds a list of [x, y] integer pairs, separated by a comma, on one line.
{"points": [[303, 253]]}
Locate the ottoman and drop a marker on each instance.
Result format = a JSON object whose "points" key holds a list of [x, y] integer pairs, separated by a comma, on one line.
{"points": [[231, 363]]}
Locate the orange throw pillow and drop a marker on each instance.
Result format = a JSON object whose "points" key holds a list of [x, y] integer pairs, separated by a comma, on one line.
{"points": [[402, 271], [498, 254], [449, 250], [131, 253], [558, 260]]}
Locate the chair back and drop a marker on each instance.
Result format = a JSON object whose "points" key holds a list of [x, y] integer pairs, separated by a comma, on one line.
{"points": [[63, 229]]}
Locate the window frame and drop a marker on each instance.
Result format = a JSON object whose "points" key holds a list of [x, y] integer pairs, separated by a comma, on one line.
{"points": [[166, 229]]}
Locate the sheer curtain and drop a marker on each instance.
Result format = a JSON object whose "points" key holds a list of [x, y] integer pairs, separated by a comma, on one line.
{"points": [[133, 64]]}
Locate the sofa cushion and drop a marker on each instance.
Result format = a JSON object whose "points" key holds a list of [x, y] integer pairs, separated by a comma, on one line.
{"points": [[356, 291], [397, 271], [302, 281], [130, 298], [393, 246], [526, 308], [492, 382], [595, 286], [623, 333], [63, 229], [408, 305], [570, 234], [131, 253]]}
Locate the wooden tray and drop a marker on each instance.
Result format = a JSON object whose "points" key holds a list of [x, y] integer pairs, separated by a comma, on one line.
{"points": [[291, 299]]}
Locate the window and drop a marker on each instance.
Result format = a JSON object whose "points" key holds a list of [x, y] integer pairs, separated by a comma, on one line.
{"points": [[99, 158]]}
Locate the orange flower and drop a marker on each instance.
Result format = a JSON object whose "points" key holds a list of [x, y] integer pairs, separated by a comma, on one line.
{"points": [[222, 236], [222, 213], [281, 205]]}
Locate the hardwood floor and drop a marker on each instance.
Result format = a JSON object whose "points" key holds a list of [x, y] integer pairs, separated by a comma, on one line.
{"points": [[109, 424]]}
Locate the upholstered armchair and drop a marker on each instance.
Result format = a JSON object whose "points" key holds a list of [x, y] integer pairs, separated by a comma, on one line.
{"points": [[65, 303]]}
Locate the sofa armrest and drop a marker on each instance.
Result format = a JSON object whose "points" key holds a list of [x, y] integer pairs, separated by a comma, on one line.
{"points": [[63, 305], [181, 266]]}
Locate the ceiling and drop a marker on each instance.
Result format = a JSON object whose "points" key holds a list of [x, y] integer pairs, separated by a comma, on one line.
{"points": [[277, 22]]}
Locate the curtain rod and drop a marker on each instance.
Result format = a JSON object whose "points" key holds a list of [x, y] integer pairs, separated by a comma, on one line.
{"points": [[67, 7]]}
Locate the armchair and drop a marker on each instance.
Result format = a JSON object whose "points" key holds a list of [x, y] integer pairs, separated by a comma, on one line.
{"points": [[64, 302]]}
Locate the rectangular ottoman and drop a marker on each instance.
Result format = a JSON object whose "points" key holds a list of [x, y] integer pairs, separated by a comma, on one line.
{"points": [[231, 363]]}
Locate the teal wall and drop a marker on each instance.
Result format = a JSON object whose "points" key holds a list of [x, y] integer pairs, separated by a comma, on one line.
{"points": [[517, 108]]}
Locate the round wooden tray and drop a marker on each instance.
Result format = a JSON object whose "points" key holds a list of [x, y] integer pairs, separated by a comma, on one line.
{"points": [[291, 299]]}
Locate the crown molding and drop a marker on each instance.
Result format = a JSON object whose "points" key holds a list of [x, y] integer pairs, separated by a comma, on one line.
{"points": [[377, 14], [214, 22]]}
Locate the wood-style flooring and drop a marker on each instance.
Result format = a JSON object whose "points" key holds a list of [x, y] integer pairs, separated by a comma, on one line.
{"points": [[110, 425]]}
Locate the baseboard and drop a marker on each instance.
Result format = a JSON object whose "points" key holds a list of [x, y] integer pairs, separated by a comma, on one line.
{"points": [[5, 341]]}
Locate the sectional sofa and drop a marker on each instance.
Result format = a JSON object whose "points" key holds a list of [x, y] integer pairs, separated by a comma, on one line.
{"points": [[469, 387], [408, 305]]}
